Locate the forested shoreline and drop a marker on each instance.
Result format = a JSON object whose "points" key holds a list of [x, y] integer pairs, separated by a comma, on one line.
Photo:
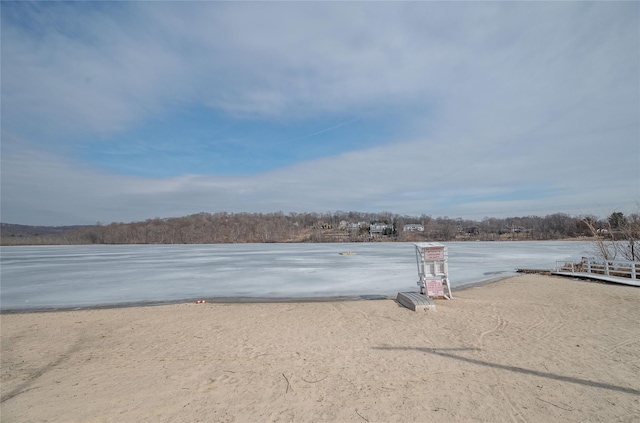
{"points": [[214, 228]]}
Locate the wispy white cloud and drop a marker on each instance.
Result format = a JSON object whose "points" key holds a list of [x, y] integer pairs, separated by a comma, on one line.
{"points": [[494, 108]]}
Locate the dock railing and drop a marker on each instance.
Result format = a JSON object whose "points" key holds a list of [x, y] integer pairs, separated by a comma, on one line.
{"points": [[618, 268]]}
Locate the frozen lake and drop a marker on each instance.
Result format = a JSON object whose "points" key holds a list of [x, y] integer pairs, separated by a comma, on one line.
{"points": [[50, 277]]}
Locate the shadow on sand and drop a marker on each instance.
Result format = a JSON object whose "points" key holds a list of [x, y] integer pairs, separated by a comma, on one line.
{"points": [[446, 352]]}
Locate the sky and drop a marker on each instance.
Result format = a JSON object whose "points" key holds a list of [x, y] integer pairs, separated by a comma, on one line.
{"points": [[124, 111]]}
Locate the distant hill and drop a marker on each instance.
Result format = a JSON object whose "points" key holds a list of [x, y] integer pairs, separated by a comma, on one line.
{"points": [[11, 230], [222, 227]]}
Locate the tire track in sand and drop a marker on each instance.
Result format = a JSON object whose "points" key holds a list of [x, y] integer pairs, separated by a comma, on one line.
{"points": [[623, 344], [514, 412]]}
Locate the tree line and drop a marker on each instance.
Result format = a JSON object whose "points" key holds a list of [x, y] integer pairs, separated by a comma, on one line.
{"points": [[213, 228]]}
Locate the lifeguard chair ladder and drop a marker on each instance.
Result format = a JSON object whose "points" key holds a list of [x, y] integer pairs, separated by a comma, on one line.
{"points": [[433, 270]]}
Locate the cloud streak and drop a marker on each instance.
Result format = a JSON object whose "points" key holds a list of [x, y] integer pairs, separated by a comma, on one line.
{"points": [[461, 109]]}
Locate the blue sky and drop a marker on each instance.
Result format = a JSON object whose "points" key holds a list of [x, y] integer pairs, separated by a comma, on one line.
{"points": [[123, 111]]}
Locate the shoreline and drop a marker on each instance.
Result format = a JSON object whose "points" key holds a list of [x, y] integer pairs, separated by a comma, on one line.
{"points": [[276, 300], [374, 241], [243, 300]]}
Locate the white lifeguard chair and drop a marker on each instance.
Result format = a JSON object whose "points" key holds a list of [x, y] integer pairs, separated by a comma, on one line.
{"points": [[433, 269]]}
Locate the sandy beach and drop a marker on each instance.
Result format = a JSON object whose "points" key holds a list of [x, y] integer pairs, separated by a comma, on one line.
{"points": [[530, 348]]}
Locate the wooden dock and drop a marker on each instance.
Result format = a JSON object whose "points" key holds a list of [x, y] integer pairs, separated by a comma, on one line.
{"points": [[415, 301], [614, 271]]}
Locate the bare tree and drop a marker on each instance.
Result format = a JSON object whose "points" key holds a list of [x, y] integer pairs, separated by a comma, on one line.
{"points": [[618, 238]]}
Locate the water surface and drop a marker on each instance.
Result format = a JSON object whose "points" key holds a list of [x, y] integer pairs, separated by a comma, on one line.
{"points": [[50, 277]]}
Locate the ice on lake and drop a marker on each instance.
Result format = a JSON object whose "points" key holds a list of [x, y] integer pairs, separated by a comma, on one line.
{"points": [[50, 277]]}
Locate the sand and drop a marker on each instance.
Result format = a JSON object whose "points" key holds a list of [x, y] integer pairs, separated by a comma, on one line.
{"points": [[525, 349]]}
